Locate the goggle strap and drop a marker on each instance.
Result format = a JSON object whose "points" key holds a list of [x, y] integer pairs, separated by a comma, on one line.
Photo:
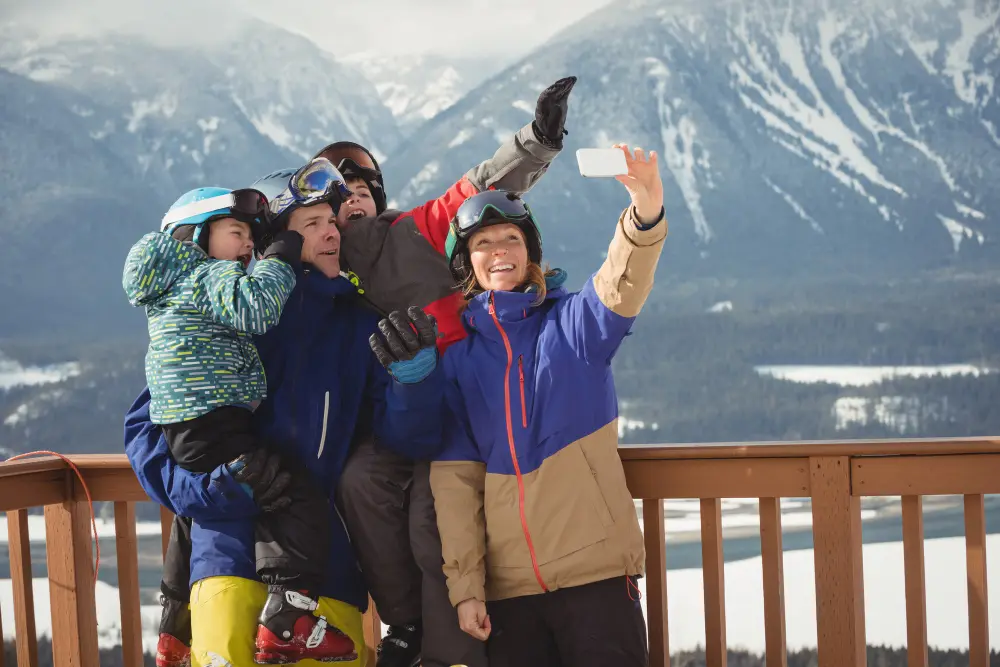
{"points": [[197, 208]]}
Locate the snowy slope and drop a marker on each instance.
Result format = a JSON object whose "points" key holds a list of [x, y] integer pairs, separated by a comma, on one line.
{"points": [[416, 88], [885, 619], [795, 135]]}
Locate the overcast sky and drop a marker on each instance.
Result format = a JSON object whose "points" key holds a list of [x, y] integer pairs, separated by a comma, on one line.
{"points": [[413, 26], [453, 27]]}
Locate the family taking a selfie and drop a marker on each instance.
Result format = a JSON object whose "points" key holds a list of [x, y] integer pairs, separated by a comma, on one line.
{"points": [[345, 400]]}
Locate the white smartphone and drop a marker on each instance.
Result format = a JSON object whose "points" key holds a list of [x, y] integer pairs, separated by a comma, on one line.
{"points": [[601, 162]]}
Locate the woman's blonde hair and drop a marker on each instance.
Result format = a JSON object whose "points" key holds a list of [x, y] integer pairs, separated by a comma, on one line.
{"points": [[534, 282]]}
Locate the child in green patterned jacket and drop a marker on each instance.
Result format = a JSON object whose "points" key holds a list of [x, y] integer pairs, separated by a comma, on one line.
{"points": [[203, 306], [205, 377]]}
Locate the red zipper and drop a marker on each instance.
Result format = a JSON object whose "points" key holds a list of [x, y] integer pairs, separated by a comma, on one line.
{"points": [[513, 451], [520, 372]]}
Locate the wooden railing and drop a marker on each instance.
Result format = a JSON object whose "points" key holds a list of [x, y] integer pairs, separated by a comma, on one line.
{"points": [[834, 475]]}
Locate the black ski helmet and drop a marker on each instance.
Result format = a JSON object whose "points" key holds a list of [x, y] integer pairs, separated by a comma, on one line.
{"points": [[355, 160], [490, 207]]}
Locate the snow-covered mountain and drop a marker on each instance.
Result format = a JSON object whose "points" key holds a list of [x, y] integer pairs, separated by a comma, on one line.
{"points": [[101, 132], [418, 87], [795, 136], [257, 98]]}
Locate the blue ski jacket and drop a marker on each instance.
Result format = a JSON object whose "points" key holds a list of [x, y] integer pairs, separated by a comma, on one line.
{"points": [[323, 384]]}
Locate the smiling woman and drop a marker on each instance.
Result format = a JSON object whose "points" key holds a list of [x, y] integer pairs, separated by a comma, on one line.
{"points": [[531, 414], [499, 256]]}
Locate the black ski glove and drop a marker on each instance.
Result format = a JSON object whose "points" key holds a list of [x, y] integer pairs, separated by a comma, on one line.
{"points": [[408, 355], [550, 112], [260, 474], [286, 246]]}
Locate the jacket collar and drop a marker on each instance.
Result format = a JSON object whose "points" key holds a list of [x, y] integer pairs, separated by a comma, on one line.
{"points": [[510, 307], [317, 285]]}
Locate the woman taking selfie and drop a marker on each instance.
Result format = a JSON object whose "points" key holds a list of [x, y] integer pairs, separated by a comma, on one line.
{"points": [[540, 537]]}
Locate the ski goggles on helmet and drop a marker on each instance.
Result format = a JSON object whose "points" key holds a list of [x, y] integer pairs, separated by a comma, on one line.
{"points": [[487, 207], [348, 156], [316, 183], [354, 160], [247, 205], [491, 207]]}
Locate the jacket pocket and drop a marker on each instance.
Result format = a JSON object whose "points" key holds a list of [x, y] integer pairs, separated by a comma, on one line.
{"points": [[601, 498], [506, 544], [601, 453], [564, 511]]}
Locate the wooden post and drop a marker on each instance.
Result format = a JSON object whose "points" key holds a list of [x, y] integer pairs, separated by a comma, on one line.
{"points": [[913, 567], [19, 546], [840, 595], [715, 582], [654, 535], [772, 558], [975, 568], [71, 585], [126, 557], [166, 523]]}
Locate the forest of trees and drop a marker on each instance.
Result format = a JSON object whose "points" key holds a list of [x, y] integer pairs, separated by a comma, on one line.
{"points": [[689, 371], [692, 372]]}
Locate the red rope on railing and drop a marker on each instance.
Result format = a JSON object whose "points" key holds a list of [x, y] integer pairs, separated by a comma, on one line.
{"points": [[90, 502]]}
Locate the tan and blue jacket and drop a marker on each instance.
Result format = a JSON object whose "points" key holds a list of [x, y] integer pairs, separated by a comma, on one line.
{"points": [[530, 492]]}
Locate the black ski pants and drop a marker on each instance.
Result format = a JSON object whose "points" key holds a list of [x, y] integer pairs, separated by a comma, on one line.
{"points": [[593, 625], [386, 501]]}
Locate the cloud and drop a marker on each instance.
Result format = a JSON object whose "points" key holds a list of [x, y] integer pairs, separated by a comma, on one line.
{"points": [[451, 27], [174, 23], [473, 27]]}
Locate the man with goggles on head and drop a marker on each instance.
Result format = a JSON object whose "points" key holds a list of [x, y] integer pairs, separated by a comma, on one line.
{"points": [[322, 380], [399, 258]]}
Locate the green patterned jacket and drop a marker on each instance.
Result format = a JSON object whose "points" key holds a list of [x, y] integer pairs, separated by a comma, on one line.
{"points": [[202, 313]]}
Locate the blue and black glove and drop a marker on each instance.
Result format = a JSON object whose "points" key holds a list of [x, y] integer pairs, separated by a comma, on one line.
{"points": [[407, 347], [261, 476]]}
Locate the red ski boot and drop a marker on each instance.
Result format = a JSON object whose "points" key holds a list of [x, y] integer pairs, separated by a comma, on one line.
{"points": [[289, 632], [171, 652], [173, 649]]}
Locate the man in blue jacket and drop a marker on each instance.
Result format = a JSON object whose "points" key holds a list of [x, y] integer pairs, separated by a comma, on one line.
{"points": [[323, 387]]}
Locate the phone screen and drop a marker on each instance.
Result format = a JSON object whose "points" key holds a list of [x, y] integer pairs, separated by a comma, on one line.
{"points": [[601, 162]]}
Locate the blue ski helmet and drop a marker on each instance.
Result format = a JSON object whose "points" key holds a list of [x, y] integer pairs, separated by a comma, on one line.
{"points": [[199, 207], [171, 223]]}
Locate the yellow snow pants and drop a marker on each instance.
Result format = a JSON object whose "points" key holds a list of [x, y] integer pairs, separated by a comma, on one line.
{"points": [[224, 613]]}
